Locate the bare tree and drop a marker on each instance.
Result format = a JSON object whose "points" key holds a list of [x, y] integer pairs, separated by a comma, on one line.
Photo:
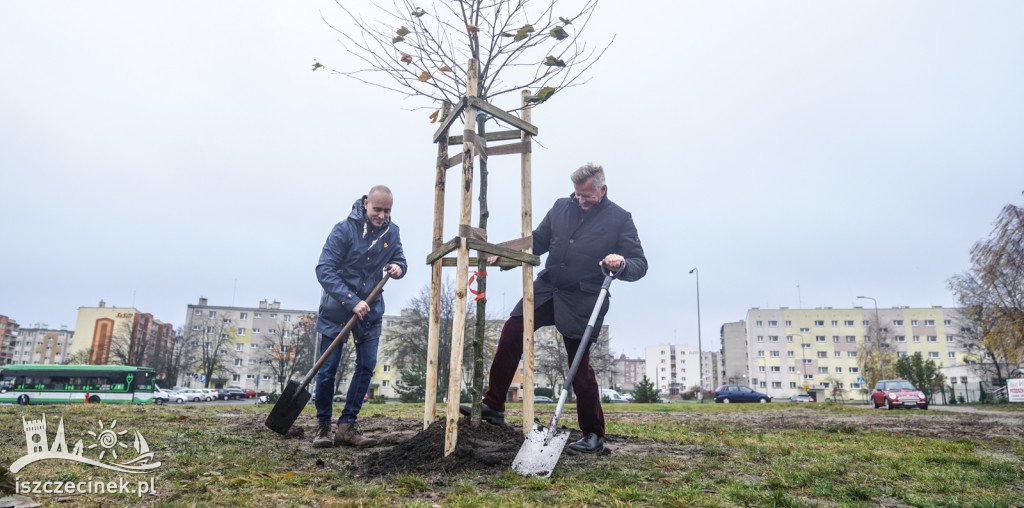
{"points": [[210, 344], [873, 355], [992, 295], [423, 52], [175, 358], [408, 341]]}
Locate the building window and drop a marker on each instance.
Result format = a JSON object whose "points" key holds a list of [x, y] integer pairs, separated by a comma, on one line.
{"points": [[839, 370], [789, 323], [760, 368], [775, 354], [866, 323], [792, 384], [851, 338], [252, 346], [789, 338], [897, 322], [848, 322], [773, 338], [851, 354], [901, 355], [197, 312], [195, 328], [273, 315], [947, 322], [822, 354], [913, 322], [238, 363], [804, 345], [760, 338], [822, 370], [933, 338], [236, 378], [241, 332], [818, 322], [789, 354], [838, 354], [854, 370], [773, 323], [917, 338], [819, 338], [792, 370], [209, 329], [805, 330], [835, 338], [212, 314], [933, 354], [952, 354], [776, 368], [238, 347], [929, 322], [760, 353], [807, 362], [243, 315], [949, 338], [270, 346], [255, 331], [272, 331], [835, 323], [757, 324], [901, 338]]}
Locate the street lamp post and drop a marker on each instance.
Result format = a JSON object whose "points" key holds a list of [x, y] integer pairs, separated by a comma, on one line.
{"points": [[878, 337], [700, 352], [803, 363]]}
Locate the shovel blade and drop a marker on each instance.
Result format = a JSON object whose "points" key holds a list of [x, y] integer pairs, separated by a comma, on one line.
{"points": [[287, 408], [540, 452]]}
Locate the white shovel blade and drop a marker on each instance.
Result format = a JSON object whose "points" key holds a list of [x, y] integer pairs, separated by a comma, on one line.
{"points": [[539, 455]]}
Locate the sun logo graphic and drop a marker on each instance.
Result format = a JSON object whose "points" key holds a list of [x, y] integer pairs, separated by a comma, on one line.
{"points": [[108, 440]]}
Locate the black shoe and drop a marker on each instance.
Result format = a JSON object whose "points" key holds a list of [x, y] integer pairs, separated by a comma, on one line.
{"points": [[589, 443], [486, 414]]}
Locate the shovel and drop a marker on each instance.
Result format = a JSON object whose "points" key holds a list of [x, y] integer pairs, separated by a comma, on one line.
{"points": [[543, 446], [296, 396]]}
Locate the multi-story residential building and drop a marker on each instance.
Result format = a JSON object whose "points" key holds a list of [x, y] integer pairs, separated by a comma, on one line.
{"points": [[120, 335], [41, 346], [786, 351], [627, 373], [712, 371], [9, 334], [672, 368], [248, 338]]}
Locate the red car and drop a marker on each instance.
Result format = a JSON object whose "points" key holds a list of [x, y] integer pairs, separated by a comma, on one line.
{"points": [[894, 393]]}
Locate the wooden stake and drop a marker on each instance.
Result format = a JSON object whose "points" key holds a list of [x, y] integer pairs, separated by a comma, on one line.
{"points": [[462, 276], [528, 310], [434, 327]]}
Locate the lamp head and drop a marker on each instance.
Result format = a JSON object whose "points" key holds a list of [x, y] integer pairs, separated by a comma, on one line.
{"points": [[694, 269]]}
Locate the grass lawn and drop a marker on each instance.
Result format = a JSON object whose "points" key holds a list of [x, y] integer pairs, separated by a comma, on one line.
{"points": [[778, 454]]}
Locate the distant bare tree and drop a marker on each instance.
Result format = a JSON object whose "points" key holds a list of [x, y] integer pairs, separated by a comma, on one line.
{"points": [[210, 345]]}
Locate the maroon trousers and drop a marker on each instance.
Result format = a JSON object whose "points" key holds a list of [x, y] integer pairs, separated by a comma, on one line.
{"points": [[506, 361]]}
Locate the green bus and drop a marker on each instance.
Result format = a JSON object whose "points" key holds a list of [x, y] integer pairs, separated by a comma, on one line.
{"points": [[71, 384]]}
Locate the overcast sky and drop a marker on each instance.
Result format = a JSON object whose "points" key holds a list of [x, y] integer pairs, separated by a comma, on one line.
{"points": [[798, 153]]}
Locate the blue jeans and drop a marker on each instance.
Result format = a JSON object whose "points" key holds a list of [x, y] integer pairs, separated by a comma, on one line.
{"points": [[366, 339]]}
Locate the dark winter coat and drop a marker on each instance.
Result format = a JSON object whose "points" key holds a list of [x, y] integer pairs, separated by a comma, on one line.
{"points": [[575, 242], [351, 264]]}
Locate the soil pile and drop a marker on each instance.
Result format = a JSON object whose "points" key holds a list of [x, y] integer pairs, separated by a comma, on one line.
{"points": [[486, 448]]}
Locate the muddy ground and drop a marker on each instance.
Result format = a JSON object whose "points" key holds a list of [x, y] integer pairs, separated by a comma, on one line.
{"points": [[406, 448]]}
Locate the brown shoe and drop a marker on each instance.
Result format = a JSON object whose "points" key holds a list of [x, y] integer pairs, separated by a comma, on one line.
{"points": [[324, 436], [348, 434]]}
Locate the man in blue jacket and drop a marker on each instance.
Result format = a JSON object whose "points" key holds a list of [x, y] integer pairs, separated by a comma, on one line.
{"points": [[578, 233], [353, 261]]}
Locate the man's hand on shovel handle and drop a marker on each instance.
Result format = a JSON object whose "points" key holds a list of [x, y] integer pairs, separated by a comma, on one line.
{"points": [[613, 262]]}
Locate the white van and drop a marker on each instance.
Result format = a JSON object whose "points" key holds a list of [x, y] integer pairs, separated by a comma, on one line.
{"points": [[613, 396]]}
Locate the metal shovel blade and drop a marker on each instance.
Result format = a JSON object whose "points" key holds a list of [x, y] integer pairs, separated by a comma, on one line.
{"points": [[540, 452], [287, 408]]}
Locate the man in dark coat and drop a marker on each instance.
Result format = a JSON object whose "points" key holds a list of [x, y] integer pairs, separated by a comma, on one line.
{"points": [[579, 233], [353, 261]]}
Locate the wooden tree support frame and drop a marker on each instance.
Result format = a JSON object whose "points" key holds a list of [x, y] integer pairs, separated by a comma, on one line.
{"points": [[517, 252]]}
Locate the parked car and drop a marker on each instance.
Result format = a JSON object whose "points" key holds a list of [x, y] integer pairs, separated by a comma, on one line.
{"points": [[739, 393], [192, 395], [896, 393], [211, 394], [161, 396], [235, 393], [801, 397], [541, 399]]}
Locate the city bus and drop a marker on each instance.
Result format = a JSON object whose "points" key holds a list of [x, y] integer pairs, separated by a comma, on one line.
{"points": [[69, 384]]}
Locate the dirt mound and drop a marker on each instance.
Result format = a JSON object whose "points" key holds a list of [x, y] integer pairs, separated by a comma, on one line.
{"points": [[484, 448]]}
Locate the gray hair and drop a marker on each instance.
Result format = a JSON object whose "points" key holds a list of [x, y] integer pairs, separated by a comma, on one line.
{"points": [[587, 171]]}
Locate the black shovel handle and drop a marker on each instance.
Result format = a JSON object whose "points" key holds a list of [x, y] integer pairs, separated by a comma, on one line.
{"points": [[344, 333]]}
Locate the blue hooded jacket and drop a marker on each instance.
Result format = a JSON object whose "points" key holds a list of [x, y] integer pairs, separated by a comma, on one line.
{"points": [[351, 264]]}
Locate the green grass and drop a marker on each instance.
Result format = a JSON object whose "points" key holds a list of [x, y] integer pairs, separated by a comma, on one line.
{"points": [[222, 455]]}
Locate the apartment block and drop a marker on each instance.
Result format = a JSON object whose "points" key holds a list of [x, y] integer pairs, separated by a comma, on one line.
{"points": [[120, 335], [786, 351], [627, 373], [9, 334], [41, 346], [673, 368]]}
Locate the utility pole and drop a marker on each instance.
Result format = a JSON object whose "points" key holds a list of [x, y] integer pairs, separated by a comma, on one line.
{"points": [[700, 352], [878, 337]]}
